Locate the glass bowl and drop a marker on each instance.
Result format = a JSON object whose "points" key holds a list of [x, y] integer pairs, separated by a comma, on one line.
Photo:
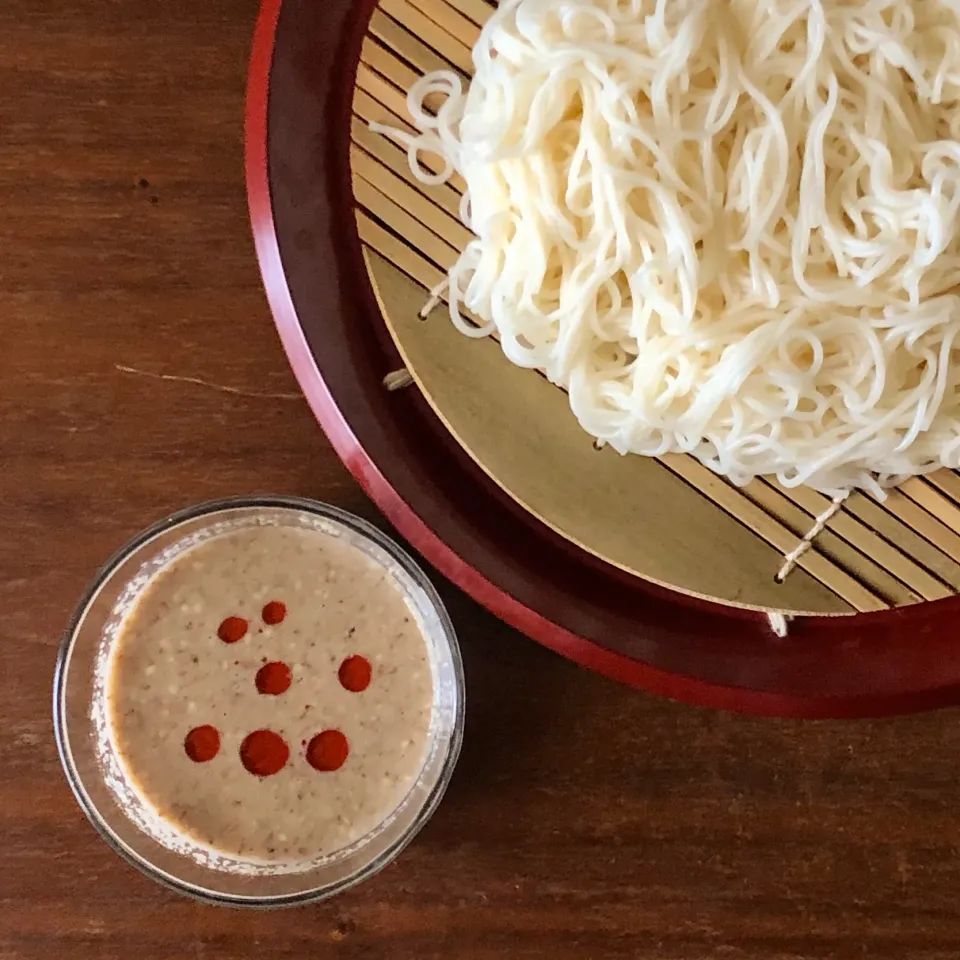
{"points": [[98, 780]]}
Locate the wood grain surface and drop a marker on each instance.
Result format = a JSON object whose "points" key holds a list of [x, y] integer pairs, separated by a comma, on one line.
{"points": [[585, 820]]}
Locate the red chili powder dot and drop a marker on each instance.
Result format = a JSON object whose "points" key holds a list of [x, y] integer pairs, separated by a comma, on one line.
{"points": [[328, 751], [232, 629], [202, 743], [273, 678], [264, 753], [273, 613], [355, 673]]}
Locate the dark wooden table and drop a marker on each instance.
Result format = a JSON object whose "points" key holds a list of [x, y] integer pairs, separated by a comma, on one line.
{"points": [[585, 820]]}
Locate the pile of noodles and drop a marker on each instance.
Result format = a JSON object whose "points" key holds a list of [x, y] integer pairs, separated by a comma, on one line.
{"points": [[726, 227]]}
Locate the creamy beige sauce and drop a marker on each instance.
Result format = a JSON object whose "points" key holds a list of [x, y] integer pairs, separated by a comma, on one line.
{"points": [[171, 673]]}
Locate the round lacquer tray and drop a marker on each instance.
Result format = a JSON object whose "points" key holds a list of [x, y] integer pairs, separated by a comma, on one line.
{"points": [[655, 572]]}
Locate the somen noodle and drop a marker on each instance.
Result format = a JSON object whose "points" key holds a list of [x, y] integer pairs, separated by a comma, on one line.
{"points": [[726, 227]]}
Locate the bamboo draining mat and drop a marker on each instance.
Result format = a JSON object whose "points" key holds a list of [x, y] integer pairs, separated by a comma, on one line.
{"points": [[671, 521]]}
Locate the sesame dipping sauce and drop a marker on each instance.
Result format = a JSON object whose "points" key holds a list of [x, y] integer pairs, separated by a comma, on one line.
{"points": [[269, 694]]}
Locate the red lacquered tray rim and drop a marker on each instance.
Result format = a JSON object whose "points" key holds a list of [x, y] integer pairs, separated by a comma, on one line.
{"points": [[933, 620]]}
